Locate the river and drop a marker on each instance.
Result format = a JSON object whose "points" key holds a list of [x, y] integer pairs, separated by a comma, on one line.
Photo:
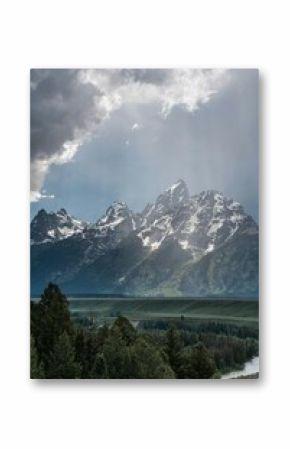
{"points": [[250, 367]]}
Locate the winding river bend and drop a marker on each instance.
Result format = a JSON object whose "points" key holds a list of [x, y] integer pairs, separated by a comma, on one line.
{"points": [[250, 367]]}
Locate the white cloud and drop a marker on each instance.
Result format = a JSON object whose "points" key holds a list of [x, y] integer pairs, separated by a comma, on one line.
{"points": [[136, 126], [36, 196], [190, 89]]}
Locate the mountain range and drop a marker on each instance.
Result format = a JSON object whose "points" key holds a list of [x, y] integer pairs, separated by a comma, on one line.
{"points": [[202, 245]]}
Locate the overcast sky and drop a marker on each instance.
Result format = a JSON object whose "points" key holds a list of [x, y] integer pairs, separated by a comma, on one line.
{"points": [[104, 135]]}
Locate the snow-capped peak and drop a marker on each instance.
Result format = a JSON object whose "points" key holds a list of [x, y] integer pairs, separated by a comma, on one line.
{"points": [[172, 198], [118, 217], [199, 224], [62, 211], [180, 184], [115, 213], [51, 226], [175, 195]]}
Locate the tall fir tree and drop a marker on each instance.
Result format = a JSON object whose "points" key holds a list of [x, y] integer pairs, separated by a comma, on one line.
{"points": [[62, 362], [36, 366], [197, 363], [173, 347], [50, 318], [148, 362]]}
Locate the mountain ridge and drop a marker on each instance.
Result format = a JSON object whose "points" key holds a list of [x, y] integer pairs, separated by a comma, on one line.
{"points": [[148, 253]]}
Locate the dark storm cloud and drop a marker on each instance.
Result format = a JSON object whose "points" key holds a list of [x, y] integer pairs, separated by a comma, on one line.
{"points": [[61, 108], [64, 111]]}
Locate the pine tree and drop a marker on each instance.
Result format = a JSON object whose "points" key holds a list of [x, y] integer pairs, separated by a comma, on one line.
{"points": [[173, 347], [102, 335], [148, 362], [197, 363], [116, 356], [91, 349], [49, 319], [36, 366], [98, 370], [62, 363], [204, 362], [126, 329]]}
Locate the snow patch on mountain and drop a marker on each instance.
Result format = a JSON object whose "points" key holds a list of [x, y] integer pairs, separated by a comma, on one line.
{"points": [[184, 244]]}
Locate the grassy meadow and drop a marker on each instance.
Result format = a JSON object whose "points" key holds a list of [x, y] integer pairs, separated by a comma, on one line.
{"points": [[236, 311]]}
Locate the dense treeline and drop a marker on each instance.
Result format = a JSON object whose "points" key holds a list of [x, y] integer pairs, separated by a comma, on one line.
{"points": [[62, 350], [230, 345], [200, 327]]}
